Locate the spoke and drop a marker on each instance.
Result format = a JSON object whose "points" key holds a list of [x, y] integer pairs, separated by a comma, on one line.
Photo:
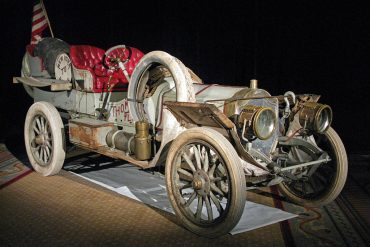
{"points": [[35, 128], [217, 190], [189, 162], [183, 186], [47, 151], [183, 178], [42, 120], [222, 170], [41, 154], [216, 202], [36, 152], [45, 155], [38, 123], [191, 199], [212, 170], [209, 208], [199, 208], [223, 178], [197, 157], [48, 145], [205, 162], [37, 148], [185, 172]]}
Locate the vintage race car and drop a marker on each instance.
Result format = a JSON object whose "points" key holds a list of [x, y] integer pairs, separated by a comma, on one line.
{"points": [[215, 141]]}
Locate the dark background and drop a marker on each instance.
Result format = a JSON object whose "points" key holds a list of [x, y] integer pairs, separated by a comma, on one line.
{"points": [[305, 46]]}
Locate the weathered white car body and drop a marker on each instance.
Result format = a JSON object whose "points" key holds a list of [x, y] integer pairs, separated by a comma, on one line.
{"points": [[213, 139]]}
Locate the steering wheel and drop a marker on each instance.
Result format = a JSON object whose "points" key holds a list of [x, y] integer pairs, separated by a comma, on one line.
{"points": [[116, 55]]}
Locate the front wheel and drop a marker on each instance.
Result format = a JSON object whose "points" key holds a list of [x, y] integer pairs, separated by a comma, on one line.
{"points": [[318, 185], [205, 182], [44, 138]]}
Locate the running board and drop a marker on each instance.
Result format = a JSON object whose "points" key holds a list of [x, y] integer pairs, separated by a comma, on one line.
{"points": [[117, 154], [55, 85]]}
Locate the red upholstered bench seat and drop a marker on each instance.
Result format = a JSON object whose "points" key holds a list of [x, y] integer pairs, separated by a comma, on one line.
{"points": [[90, 58]]}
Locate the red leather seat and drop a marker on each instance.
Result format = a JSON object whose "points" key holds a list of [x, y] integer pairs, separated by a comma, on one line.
{"points": [[86, 56], [90, 58]]}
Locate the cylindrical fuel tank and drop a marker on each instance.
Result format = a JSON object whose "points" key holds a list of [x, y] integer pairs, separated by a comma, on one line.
{"points": [[121, 140], [142, 141]]}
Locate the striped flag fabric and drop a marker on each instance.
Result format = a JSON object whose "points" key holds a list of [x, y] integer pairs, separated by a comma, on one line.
{"points": [[39, 22]]}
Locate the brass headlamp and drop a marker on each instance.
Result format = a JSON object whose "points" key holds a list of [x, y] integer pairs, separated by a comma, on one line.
{"points": [[315, 116], [258, 120]]}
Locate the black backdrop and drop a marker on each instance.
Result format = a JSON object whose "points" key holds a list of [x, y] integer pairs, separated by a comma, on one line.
{"points": [[304, 46]]}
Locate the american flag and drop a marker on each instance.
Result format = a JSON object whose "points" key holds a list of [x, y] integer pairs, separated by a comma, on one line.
{"points": [[39, 22]]}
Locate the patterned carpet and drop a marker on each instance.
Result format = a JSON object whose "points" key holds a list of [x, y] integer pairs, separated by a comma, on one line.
{"points": [[36, 210], [11, 168], [325, 226]]}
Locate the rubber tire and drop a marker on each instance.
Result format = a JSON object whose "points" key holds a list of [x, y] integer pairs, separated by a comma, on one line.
{"points": [[237, 177], [57, 129], [48, 49], [50, 59], [340, 178]]}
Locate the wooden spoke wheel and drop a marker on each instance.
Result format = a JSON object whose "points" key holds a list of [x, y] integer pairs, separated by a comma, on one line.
{"points": [[205, 182], [318, 184], [44, 138]]}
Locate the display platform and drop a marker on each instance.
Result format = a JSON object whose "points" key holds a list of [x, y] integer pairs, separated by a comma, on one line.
{"points": [[149, 187]]}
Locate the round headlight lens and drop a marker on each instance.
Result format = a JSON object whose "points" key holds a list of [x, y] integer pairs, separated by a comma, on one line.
{"points": [[323, 119], [316, 117], [264, 123]]}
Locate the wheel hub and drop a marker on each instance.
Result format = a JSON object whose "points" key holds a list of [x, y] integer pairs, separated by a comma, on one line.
{"points": [[201, 183], [197, 184], [40, 139]]}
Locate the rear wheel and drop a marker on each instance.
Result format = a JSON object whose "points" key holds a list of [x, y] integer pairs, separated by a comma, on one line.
{"points": [[326, 181], [44, 138], [205, 182]]}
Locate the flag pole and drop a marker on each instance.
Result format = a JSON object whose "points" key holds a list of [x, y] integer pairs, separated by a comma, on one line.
{"points": [[47, 18]]}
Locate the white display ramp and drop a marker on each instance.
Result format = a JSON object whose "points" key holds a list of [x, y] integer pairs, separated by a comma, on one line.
{"points": [[150, 188]]}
